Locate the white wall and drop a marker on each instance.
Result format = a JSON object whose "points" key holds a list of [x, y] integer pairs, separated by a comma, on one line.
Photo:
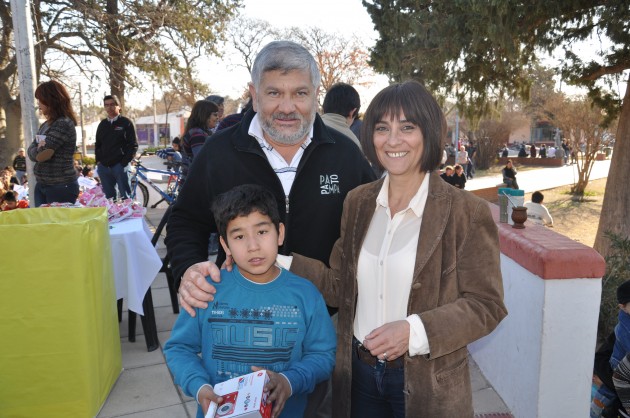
{"points": [[540, 357]]}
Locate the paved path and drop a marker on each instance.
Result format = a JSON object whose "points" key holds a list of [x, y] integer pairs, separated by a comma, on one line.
{"points": [[542, 178]]}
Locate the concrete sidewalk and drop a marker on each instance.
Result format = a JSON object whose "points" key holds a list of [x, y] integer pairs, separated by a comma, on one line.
{"points": [[145, 388], [542, 178]]}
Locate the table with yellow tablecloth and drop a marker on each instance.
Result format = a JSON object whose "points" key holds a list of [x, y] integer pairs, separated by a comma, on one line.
{"points": [[60, 349]]}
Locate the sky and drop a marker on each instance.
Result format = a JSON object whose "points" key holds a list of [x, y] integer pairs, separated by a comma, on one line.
{"points": [[346, 17]]}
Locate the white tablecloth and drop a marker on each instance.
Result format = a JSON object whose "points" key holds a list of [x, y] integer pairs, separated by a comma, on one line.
{"points": [[136, 262]]}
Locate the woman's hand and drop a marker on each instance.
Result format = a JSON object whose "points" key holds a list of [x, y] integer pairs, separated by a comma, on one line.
{"points": [[194, 289], [389, 341], [279, 391]]}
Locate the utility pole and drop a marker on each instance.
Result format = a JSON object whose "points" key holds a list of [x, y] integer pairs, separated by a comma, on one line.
{"points": [[25, 52], [155, 126], [83, 144]]}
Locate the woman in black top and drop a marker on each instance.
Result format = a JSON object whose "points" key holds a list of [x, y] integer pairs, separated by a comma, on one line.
{"points": [[509, 175], [459, 177]]}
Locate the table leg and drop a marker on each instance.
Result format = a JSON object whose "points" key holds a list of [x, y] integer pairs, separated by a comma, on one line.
{"points": [[148, 323]]}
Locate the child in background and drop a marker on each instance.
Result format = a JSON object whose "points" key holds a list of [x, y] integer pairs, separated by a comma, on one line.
{"points": [[262, 315], [606, 396], [10, 202]]}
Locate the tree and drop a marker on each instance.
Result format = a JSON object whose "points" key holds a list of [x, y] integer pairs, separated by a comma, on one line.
{"points": [[492, 134], [248, 36], [339, 59], [486, 47], [581, 123]]}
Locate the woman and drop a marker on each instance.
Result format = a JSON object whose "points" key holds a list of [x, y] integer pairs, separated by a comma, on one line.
{"points": [[459, 178], [462, 157], [203, 117], [415, 273], [53, 148], [509, 175]]}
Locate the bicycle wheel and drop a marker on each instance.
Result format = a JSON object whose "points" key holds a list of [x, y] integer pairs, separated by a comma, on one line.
{"points": [[141, 193]]}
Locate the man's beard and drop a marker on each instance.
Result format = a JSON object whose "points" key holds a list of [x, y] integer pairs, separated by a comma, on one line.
{"points": [[288, 138]]}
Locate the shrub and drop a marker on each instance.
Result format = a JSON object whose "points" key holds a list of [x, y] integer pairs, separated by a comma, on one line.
{"points": [[617, 272], [88, 161]]}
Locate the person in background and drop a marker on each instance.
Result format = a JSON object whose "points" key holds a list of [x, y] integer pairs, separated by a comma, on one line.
{"points": [[282, 131], [201, 122], [116, 145], [9, 202], [412, 289], [203, 117], [52, 149], [551, 152], [532, 151], [471, 149], [537, 212], [356, 127], [447, 175], [462, 158], [220, 102], [295, 315], [509, 175], [172, 155], [605, 396], [522, 152], [543, 151], [19, 165], [504, 152], [459, 177], [341, 106], [234, 118]]}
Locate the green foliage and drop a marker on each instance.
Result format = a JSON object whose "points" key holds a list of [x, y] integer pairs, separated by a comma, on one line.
{"points": [[617, 272], [483, 49], [88, 161]]}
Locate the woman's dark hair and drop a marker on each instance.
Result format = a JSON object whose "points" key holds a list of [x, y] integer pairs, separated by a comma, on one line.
{"points": [[86, 170], [419, 108], [200, 114], [241, 201], [55, 96]]}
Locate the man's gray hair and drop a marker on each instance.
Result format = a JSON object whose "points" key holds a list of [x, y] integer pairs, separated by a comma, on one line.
{"points": [[284, 56]]}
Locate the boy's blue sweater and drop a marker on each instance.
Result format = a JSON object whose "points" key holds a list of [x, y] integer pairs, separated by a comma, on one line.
{"points": [[281, 326]]}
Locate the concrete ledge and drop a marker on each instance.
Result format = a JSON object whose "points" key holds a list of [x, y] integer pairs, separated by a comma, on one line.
{"points": [[546, 253]]}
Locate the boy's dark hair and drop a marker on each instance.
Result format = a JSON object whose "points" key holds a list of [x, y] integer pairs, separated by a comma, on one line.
{"points": [[537, 197], [241, 201], [9, 196], [86, 170], [341, 99]]}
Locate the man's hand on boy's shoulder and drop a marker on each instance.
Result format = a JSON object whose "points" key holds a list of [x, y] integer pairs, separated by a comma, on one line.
{"points": [[205, 396], [194, 289], [279, 390]]}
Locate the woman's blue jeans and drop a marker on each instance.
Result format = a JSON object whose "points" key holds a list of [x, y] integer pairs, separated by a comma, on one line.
{"points": [[62, 193], [377, 391]]}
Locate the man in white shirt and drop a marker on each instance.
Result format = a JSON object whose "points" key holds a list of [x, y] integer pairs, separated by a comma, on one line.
{"points": [[537, 212]]}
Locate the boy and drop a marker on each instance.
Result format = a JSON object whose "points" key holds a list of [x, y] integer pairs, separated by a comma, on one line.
{"points": [[605, 396], [537, 212], [262, 315]]}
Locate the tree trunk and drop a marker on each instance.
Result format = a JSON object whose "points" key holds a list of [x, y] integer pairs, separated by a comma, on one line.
{"points": [[616, 206], [11, 137], [116, 53]]}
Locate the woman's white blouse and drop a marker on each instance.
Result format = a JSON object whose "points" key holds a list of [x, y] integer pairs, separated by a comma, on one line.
{"points": [[385, 268]]}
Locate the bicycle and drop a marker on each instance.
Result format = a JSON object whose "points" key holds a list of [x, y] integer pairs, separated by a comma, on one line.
{"points": [[140, 191]]}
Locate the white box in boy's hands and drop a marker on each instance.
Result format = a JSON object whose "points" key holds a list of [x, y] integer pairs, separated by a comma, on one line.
{"points": [[243, 397]]}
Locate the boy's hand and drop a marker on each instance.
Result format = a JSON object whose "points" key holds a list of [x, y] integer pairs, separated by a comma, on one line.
{"points": [[194, 289], [206, 396], [279, 391]]}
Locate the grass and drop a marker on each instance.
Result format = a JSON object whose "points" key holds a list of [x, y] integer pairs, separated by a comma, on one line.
{"points": [[577, 220]]}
